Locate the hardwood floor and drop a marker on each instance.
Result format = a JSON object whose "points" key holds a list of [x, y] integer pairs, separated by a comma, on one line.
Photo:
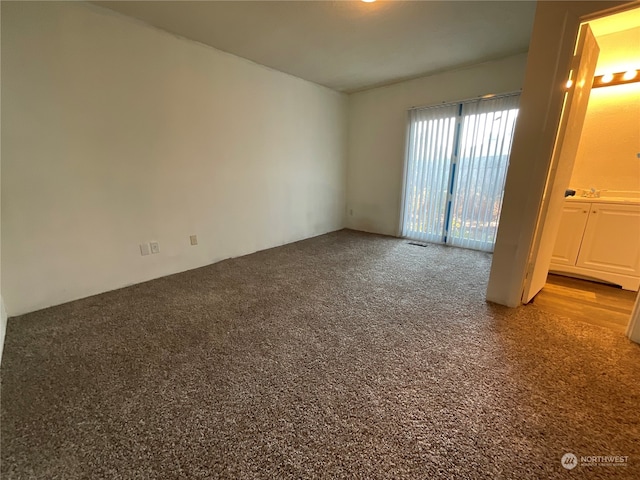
{"points": [[591, 302]]}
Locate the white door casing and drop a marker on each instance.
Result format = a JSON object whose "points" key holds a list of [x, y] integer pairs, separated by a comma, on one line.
{"points": [[633, 330]]}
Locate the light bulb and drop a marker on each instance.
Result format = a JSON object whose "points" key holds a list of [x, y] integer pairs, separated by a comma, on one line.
{"points": [[630, 75], [569, 83], [606, 78]]}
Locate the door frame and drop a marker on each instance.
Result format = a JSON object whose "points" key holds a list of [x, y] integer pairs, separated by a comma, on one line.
{"points": [[633, 329], [551, 52], [569, 131]]}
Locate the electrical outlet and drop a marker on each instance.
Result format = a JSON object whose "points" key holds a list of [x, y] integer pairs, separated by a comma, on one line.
{"points": [[193, 239], [155, 247], [144, 249]]}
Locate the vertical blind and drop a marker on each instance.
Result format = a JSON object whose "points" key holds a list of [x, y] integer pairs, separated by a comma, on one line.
{"points": [[431, 140], [457, 159]]}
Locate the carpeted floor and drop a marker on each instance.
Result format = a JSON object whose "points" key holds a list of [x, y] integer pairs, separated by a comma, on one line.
{"points": [[345, 356]]}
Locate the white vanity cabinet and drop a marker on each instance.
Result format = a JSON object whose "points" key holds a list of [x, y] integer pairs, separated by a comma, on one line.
{"points": [[599, 239], [567, 246]]}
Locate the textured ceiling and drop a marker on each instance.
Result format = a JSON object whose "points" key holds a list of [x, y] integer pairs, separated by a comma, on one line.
{"points": [[348, 45]]}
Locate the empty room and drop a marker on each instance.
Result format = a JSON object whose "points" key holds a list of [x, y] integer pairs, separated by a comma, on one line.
{"points": [[320, 239]]}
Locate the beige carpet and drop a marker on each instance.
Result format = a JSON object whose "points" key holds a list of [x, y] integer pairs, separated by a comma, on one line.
{"points": [[344, 356]]}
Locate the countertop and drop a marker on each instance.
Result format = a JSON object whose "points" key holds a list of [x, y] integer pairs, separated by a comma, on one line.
{"points": [[623, 200]]}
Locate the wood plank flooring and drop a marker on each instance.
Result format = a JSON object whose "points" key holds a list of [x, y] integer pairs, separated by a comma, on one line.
{"points": [[590, 302]]}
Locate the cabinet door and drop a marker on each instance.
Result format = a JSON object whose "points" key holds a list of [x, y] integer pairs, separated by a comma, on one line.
{"points": [[611, 240], [572, 223]]}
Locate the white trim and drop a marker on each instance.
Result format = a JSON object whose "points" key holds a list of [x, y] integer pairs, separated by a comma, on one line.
{"points": [[630, 5], [627, 282], [633, 330]]}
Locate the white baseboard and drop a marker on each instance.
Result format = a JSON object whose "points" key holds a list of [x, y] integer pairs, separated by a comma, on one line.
{"points": [[627, 282]]}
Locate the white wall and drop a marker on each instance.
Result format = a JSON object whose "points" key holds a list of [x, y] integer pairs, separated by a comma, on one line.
{"points": [[378, 127], [610, 141], [3, 312], [115, 133]]}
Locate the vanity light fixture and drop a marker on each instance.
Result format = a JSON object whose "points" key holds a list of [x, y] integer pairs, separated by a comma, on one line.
{"points": [[620, 78]]}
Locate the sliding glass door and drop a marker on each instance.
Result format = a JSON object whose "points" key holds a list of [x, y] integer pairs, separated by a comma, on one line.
{"points": [[432, 136], [457, 159]]}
